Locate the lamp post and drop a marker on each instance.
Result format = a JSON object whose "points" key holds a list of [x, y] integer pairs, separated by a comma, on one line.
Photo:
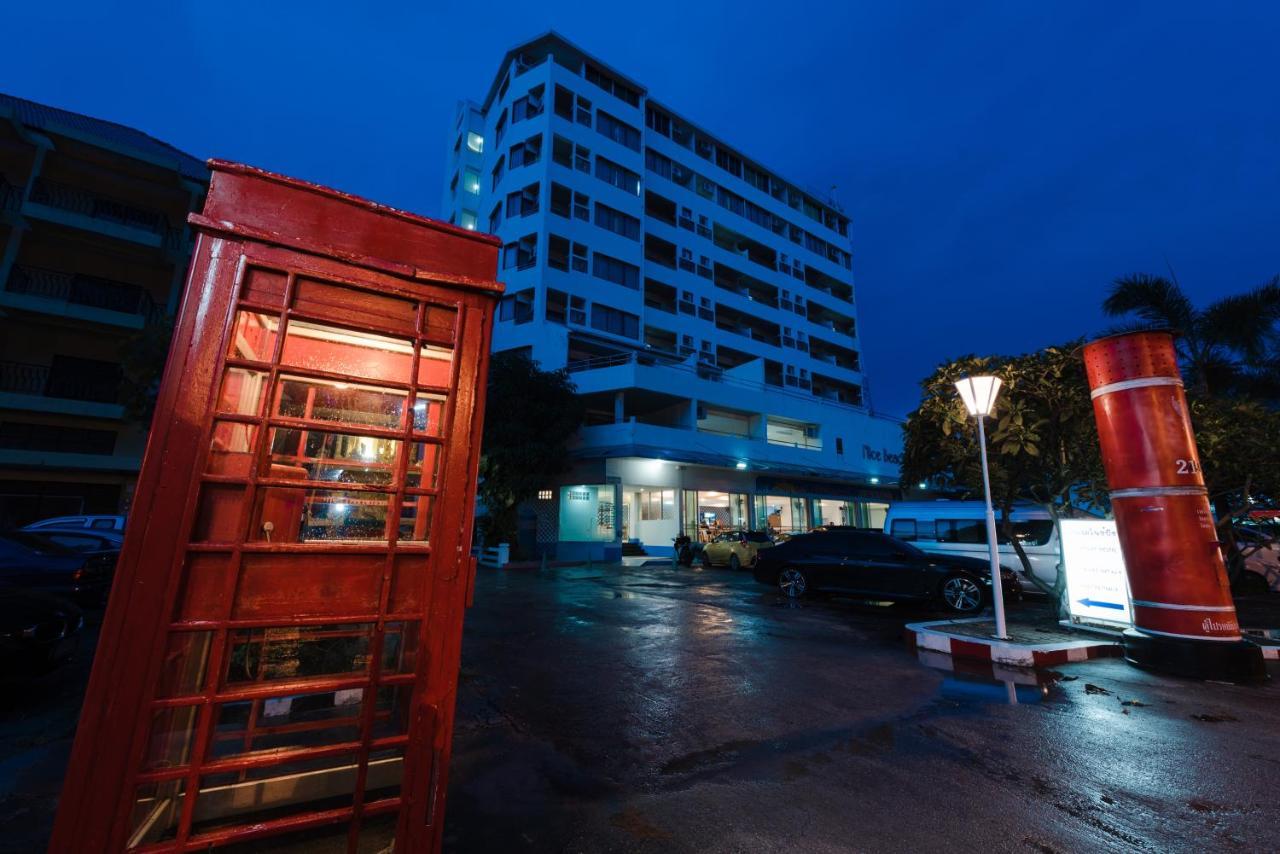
{"points": [[979, 396]]}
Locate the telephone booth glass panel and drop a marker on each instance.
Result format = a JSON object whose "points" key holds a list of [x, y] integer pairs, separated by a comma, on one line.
{"points": [[289, 671]]}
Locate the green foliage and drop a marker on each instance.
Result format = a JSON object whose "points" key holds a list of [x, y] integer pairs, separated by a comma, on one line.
{"points": [[1231, 347], [142, 361], [530, 417], [1042, 442]]}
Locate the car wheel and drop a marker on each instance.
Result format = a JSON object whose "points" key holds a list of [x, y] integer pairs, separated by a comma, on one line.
{"points": [[961, 594], [734, 563], [792, 582]]}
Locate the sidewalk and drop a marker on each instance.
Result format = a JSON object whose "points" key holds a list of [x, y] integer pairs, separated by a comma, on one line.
{"points": [[1035, 638]]}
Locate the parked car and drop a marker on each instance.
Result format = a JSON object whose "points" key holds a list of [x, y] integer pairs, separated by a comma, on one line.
{"points": [[31, 562], [97, 523], [1261, 561], [874, 565], [82, 539], [960, 528], [37, 631], [735, 549]]}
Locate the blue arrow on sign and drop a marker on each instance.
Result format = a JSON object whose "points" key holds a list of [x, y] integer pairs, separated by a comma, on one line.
{"points": [[1093, 603]]}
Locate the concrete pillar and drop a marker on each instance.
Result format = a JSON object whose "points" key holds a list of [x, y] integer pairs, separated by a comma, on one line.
{"points": [[619, 407]]}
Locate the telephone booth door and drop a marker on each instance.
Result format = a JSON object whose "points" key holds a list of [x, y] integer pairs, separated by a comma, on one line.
{"points": [[280, 653]]}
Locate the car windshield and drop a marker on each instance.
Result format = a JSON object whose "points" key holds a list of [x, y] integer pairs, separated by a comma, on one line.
{"points": [[757, 537], [38, 543]]}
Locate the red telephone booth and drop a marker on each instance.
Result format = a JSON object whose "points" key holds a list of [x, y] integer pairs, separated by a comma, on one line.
{"points": [[279, 657]]}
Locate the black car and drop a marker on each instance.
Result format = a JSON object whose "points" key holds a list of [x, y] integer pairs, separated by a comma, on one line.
{"points": [[29, 561], [37, 631], [875, 565]]}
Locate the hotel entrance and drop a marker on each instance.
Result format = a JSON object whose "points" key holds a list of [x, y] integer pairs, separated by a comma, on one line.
{"points": [[709, 513]]}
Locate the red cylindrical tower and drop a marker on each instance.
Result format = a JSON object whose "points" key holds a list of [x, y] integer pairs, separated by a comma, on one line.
{"points": [[1184, 616]]}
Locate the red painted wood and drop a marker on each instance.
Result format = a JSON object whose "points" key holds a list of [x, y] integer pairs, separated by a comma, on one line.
{"points": [[354, 594]]}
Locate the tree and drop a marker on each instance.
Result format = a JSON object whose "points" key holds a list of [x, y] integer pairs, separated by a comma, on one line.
{"points": [[1231, 347], [530, 417], [142, 360], [1043, 443]]}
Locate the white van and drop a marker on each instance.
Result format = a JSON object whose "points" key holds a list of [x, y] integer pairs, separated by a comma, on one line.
{"points": [[960, 528]]}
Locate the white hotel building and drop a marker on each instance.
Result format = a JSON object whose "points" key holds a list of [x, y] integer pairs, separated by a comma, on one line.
{"points": [[702, 304]]}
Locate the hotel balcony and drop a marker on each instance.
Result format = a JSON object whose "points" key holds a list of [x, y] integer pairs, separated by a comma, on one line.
{"points": [[78, 207], [77, 295], [70, 385]]}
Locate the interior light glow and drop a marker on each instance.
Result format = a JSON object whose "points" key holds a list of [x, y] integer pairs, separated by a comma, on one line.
{"points": [[875, 480]]}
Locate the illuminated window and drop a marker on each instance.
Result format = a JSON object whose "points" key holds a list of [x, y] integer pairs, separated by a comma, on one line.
{"points": [[545, 494], [475, 142], [471, 180], [468, 220]]}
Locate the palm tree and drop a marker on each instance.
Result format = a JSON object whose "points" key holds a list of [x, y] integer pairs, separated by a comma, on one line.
{"points": [[1230, 347]]}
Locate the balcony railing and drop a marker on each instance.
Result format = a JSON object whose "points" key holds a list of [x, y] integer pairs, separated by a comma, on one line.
{"points": [[10, 195], [78, 200], [44, 381], [80, 289], [791, 385]]}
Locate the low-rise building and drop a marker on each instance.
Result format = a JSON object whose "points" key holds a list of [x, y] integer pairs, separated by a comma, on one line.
{"points": [[94, 246]]}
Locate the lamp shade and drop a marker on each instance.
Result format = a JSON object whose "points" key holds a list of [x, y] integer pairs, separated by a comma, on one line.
{"points": [[979, 394]]}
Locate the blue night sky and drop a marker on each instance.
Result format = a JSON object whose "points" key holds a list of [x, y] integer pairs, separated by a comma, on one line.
{"points": [[1002, 162]]}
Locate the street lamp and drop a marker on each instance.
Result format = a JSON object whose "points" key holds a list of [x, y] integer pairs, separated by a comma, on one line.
{"points": [[979, 396]]}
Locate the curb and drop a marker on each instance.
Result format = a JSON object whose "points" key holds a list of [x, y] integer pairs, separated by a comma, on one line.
{"points": [[933, 636], [1267, 640]]}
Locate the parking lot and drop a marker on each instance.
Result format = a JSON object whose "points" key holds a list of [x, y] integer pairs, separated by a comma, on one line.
{"points": [[649, 709], [642, 709]]}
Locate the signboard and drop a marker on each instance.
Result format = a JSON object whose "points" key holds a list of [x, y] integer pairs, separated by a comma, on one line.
{"points": [[1097, 585]]}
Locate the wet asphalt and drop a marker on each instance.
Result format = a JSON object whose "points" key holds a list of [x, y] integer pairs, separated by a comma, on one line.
{"points": [[652, 709]]}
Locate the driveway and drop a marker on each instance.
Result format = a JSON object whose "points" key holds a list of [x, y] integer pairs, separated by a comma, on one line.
{"points": [[651, 709]]}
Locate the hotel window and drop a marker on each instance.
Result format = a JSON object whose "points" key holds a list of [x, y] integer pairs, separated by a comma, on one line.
{"points": [[562, 151], [563, 104], [497, 172], [612, 320], [561, 200], [614, 87], [579, 261], [558, 252], [617, 222], [618, 131], [525, 153], [582, 159], [578, 310], [495, 217], [657, 504], [657, 121], [619, 176], [523, 202], [657, 163], [501, 128], [468, 220], [528, 106], [522, 254], [581, 206], [618, 272], [471, 180], [475, 142], [557, 306], [517, 307]]}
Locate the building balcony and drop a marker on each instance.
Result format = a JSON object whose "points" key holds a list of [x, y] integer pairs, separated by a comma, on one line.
{"points": [[86, 297], [67, 387], [105, 214]]}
